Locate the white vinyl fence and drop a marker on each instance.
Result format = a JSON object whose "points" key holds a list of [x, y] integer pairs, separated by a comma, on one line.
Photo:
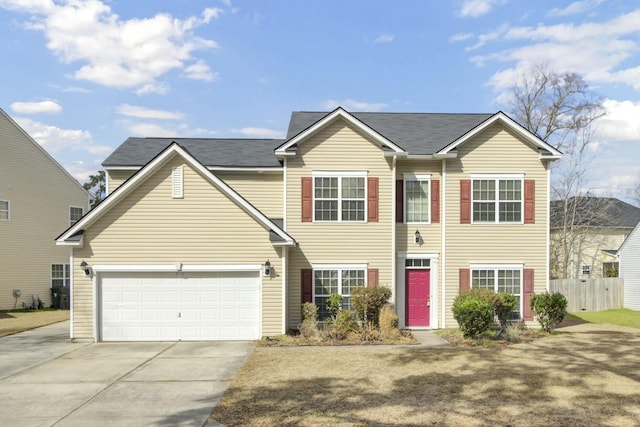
{"points": [[590, 294]]}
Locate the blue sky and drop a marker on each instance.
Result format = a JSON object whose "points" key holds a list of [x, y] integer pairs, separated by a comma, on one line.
{"points": [[82, 76]]}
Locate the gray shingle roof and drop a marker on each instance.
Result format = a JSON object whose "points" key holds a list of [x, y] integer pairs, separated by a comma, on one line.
{"points": [[211, 152], [417, 133], [595, 212]]}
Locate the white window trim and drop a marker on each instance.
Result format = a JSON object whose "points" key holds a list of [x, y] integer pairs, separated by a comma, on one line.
{"points": [[8, 209], [66, 268], [419, 178], [339, 175], [71, 221], [339, 268], [495, 268], [497, 178], [177, 182], [434, 269]]}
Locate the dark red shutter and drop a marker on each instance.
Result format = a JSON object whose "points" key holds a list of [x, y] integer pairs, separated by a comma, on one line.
{"points": [[307, 199], [399, 200], [527, 291], [464, 276], [435, 201], [465, 201], [529, 201], [307, 285], [372, 277], [372, 194]]}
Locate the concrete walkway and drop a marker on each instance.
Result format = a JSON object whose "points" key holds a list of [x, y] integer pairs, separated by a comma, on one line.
{"points": [[428, 338], [47, 380]]}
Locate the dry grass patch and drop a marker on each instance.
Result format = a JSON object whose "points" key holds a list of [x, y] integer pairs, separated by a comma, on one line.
{"points": [[587, 375], [12, 322]]}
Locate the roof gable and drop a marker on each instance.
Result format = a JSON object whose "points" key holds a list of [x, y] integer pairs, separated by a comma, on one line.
{"points": [[339, 113], [547, 151], [69, 237]]}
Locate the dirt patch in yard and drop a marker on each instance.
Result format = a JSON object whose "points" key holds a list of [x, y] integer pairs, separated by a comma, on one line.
{"points": [[12, 322], [587, 374]]}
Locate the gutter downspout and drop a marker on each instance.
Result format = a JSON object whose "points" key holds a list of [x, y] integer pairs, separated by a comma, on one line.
{"points": [[443, 203], [71, 293], [393, 233]]}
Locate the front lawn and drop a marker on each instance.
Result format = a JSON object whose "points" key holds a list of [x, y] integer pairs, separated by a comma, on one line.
{"points": [[587, 375], [620, 316], [14, 321]]}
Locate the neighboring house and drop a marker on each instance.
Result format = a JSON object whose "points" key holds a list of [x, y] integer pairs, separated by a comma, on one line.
{"points": [[225, 239], [629, 256], [586, 233], [38, 198]]}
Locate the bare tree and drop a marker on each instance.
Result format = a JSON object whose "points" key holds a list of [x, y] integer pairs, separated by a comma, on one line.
{"points": [[561, 109]]}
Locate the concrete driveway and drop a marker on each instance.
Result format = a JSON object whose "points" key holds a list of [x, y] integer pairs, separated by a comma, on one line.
{"points": [[47, 380]]}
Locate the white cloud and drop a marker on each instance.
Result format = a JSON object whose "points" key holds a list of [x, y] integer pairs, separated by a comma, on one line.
{"points": [[595, 50], [475, 8], [460, 37], [575, 8], [200, 71], [352, 105], [259, 132], [54, 139], [384, 38], [36, 107], [622, 122], [147, 113], [182, 130], [113, 52]]}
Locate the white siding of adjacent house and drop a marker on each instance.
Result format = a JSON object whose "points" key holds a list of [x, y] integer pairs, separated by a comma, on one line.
{"points": [[150, 227], [630, 269], [40, 193]]}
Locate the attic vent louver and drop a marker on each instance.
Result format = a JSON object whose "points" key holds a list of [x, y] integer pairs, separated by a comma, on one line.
{"points": [[177, 183]]}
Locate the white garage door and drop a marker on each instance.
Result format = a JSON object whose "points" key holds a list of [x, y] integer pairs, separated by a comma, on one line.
{"points": [[180, 306]]}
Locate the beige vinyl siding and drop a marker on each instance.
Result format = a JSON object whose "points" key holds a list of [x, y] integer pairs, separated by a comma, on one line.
{"points": [[262, 190], [337, 147], [40, 193], [494, 151], [205, 227], [117, 177], [431, 233]]}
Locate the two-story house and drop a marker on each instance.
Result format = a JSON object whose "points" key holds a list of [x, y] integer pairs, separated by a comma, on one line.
{"points": [[225, 239], [38, 198]]}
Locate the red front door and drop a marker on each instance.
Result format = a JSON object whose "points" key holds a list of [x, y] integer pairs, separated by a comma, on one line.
{"points": [[417, 293]]}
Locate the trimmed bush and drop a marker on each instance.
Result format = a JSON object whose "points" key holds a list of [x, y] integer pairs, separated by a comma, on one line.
{"points": [[549, 309], [368, 302], [503, 307], [473, 315]]}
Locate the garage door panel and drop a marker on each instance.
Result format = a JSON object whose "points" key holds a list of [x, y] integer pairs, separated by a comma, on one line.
{"points": [[174, 306]]}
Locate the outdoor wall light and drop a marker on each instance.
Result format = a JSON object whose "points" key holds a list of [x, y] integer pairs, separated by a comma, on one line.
{"points": [[267, 268], [86, 268], [417, 238]]}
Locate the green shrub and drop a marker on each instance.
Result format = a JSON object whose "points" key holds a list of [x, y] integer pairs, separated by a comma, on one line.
{"points": [[550, 309], [473, 315], [367, 302], [503, 307], [334, 304]]}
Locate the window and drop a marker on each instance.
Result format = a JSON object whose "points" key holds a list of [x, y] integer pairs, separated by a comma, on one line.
{"points": [[500, 279], [586, 270], [336, 280], [417, 198], [339, 198], [75, 214], [417, 263], [60, 275], [4, 210], [497, 200]]}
